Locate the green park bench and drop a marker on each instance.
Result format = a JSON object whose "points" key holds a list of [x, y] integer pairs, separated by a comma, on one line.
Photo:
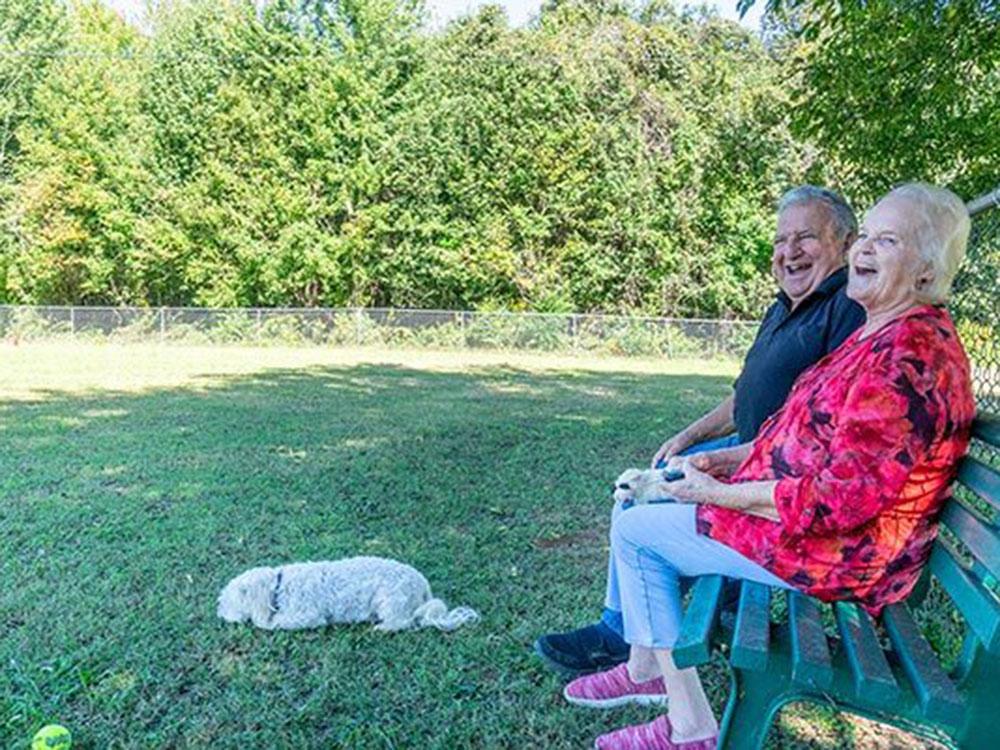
{"points": [[836, 655], [894, 677]]}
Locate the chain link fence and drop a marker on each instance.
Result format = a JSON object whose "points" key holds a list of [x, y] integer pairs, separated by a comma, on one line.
{"points": [[391, 328], [975, 305], [975, 302]]}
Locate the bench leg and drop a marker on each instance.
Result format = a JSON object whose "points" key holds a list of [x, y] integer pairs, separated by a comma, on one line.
{"points": [[980, 675], [754, 700]]}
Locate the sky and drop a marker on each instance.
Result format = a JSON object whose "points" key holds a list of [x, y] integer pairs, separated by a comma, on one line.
{"points": [[518, 11]]}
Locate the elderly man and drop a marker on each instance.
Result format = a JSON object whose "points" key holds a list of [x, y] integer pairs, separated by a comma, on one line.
{"points": [[810, 318]]}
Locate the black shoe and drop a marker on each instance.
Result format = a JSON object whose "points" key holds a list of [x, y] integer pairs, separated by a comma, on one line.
{"points": [[578, 652]]}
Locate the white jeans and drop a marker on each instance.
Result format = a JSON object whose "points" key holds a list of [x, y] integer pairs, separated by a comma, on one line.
{"points": [[652, 547]]}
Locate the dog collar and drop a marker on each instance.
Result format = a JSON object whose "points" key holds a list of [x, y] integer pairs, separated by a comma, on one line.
{"points": [[273, 603]]}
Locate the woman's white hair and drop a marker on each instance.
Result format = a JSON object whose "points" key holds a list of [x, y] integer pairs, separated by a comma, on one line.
{"points": [[940, 225]]}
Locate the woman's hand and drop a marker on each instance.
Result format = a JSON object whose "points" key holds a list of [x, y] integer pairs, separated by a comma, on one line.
{"points": [[697, 486]]}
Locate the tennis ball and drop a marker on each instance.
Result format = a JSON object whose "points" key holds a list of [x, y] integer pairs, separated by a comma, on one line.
{"points": [[52, 737]]}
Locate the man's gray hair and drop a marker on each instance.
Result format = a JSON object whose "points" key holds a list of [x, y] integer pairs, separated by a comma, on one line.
{"points": [[845, 223], [940, 226]]}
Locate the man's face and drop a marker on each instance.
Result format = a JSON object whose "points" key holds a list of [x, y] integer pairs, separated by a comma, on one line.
{"points": [[806, 249]]}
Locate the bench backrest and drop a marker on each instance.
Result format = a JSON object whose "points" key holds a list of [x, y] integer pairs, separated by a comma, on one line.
{"points": [[969, 575], [966, 557]]}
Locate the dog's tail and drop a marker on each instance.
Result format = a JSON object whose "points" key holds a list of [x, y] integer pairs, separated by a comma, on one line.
{"points": [[435, 614]]}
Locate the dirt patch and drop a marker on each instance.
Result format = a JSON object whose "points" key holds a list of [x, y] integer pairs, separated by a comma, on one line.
{"points": [[576, 539]]}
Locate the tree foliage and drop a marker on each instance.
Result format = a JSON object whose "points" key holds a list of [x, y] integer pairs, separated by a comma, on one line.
{"points": [[613, 156], [897, 90], [35, 29]]}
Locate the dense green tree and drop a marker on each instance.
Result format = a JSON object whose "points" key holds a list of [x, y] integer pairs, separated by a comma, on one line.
{"points": [[76, 198], [582, 165], [265, 129], [31, 31], [896, 90], [613, 156]]}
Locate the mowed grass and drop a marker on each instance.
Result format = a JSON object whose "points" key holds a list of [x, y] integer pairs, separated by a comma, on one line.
{"points": [[135, 481]]}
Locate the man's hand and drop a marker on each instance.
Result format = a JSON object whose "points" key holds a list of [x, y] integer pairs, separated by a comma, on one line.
{"points": [[719, 463], [672, 447], [707, 462], [677, 464]]}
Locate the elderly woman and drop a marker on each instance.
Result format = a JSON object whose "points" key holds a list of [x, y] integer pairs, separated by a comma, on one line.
{"points": [[838, 494]]}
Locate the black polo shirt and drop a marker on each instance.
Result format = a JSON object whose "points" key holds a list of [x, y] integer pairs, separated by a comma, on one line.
{"points": [[788, 342]]}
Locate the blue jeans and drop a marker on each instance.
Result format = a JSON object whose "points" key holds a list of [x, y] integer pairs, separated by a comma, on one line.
{"points": [[652, 548], [612, 617]]}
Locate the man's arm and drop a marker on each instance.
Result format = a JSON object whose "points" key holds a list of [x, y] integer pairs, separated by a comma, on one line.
{"points": [[716, 423]]}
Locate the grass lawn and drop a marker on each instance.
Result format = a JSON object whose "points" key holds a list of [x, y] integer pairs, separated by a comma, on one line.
{"points": [[135, 481]]}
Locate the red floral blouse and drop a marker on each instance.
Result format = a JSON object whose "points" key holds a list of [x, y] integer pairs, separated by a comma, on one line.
{"points": [[864, 451]]}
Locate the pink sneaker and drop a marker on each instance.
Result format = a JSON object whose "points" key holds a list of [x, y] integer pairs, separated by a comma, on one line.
{"points": [[652, 736], [614, 688]]}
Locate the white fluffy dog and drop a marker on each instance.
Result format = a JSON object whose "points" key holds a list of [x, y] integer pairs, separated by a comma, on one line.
{"points": [[359, 589], [640, 486]]}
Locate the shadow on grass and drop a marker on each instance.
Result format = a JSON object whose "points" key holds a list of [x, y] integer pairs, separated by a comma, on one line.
{"points": [[122, 515]]}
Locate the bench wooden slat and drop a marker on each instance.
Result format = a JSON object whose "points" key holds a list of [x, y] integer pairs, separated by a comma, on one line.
{"points": [[981, 537], [693, 645], [873, 678], [811, 663], [979, 607], [987, 429], [981, 479], [938, 697], [752, 633]]}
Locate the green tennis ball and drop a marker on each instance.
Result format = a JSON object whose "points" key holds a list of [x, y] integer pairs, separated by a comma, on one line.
{"points": [[52, 737]]}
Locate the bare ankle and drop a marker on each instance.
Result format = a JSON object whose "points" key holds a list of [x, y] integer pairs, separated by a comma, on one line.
{"points": [[642, 672], [692, 729]]}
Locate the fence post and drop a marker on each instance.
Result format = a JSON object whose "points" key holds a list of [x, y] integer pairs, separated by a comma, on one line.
{"points": [[574, 333], [357, 326], [72, 321], [461, 328], [163, 324], [257, 328]]}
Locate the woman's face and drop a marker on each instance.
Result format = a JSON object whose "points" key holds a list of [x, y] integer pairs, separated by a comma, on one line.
{"points": [[885, 269]]}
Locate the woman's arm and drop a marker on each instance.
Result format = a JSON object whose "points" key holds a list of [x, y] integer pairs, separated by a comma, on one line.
{"points": [[756, 498]]}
